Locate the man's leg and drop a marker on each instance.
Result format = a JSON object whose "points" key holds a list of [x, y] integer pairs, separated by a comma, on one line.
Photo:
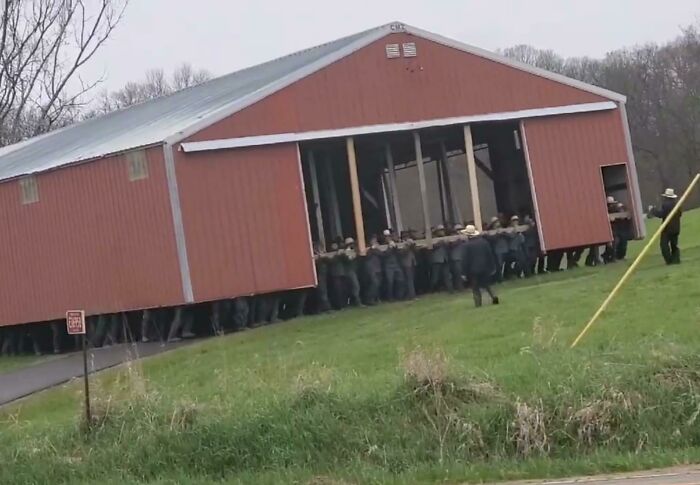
{"points": [[476, 292], [175, 325], [447, 278], [456, 270], [675, 250], [665, 243], [410, 278]]}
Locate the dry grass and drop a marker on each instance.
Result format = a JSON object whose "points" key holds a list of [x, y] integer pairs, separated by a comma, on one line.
{"points": [[530, 429]]}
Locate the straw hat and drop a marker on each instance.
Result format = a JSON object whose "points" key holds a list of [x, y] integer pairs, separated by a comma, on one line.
{"points": [[470, 230], [669, 194], [611, 199], [386, 232]]}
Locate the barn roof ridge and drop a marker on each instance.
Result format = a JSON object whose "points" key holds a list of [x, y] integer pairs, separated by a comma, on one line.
{"points": [[173, 118]]}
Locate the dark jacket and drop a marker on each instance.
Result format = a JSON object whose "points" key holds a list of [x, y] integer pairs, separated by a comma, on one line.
{"points": [[407, 256], [479, 257], [373, 261], [674, 227], [456, 250], [438, 254], [390, 260], [499, 241]]}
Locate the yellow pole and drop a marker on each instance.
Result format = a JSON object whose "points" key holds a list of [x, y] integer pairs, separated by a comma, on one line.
{"points": [[636, 262]]}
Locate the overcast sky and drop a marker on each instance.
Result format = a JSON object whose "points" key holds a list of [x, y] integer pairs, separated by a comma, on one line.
{"points": [[225, 35]]}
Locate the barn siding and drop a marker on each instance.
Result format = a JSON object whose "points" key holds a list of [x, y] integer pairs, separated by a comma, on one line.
{"points": [[366, 88], [94, 241], [566, 154], [245, 220]]}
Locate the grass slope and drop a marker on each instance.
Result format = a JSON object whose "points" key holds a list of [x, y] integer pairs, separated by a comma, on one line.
{"points": [[426, 391]]}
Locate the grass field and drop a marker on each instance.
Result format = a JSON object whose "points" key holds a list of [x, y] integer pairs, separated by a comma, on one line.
{"points": [[426, 391]]}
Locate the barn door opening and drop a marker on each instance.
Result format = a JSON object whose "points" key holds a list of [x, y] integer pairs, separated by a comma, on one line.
{"points": [[615, 182], [504, 188]]}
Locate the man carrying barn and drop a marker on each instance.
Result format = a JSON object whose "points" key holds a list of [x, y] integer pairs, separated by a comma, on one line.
{"points": [[336, 273], [671, 233], [515, 263], [373, 271], [531, 246], [456, 257], [499, 244], [439, 268], [393, 276], [479, 264], [407, 260], [322, 303], [352, 283]]}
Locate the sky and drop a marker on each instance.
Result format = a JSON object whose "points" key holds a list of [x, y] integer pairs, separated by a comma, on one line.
{"points": [[226, 35]]}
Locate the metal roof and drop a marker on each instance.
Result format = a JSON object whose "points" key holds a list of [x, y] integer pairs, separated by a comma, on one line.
{"points": [[175, 117]]}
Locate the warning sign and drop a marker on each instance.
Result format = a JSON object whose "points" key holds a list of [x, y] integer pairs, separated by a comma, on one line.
{"points": [[75, 322]]}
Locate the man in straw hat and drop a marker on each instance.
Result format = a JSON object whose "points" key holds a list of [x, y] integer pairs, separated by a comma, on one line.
{"points": [[669, 236], [479, 264]]}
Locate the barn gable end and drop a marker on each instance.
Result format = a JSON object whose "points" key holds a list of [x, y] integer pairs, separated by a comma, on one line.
{"points": [[368, 88]]}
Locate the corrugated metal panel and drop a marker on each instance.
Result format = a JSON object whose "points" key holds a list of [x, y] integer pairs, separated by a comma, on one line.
{"points": [[94, 240], [566, 154], [153, 121], [366, 88], [245, 221]]}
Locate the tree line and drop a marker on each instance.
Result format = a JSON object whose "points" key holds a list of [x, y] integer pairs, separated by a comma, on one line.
{"points": [[662, 85]]}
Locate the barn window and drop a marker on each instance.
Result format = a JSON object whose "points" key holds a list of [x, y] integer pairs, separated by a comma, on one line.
{"points": [[137, 164], [392, 51], [409, 49], [29, 190]]}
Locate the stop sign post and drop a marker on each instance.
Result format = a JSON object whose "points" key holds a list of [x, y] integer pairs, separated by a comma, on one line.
{"points": [[75, 324]]}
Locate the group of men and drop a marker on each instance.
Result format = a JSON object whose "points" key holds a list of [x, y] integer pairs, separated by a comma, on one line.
{"points": [[394, 267]]}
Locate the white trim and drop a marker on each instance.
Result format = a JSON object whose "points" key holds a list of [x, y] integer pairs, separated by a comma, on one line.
{"points": [[277, 85], [178, 226], [492, 56], [632, 174], [300, 171], [533, 191], [250, 141]]}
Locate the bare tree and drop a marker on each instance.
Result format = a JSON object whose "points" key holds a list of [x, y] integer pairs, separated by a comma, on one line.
{"points": [[43, 46], [155, 85]]}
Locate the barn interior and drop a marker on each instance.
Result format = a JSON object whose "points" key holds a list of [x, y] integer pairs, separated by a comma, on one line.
{"points": [[394, 191]]}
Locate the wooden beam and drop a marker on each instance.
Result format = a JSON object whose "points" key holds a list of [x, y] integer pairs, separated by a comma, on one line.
{"points": [[423, 188], [388, 214], [393, 187], [441, 192], [471, 168], [332, 195], [317, 201], [454, 213], [356, 201], [484, 168]]}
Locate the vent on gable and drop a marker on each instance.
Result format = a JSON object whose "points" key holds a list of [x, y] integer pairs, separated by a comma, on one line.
{"points": [[409, 49], [29, 189], [137, 164], [392, 51]]}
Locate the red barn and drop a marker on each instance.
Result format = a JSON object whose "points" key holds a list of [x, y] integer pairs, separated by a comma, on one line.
{"points": [[219, 190]]}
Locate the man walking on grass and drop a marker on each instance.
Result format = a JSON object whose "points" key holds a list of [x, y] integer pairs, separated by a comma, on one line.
{"points": [[670, 234], [479, 264]]}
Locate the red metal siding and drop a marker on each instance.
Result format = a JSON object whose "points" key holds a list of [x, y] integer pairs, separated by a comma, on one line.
{"points": [[366, 88], [566, 154], [245, 221], [94, 241]]}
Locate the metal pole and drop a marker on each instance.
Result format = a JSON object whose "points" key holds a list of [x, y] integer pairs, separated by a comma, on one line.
{"points": [[88, 413], [636, 262]]}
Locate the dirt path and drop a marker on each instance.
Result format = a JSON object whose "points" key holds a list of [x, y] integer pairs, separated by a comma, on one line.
{"points": [[18, 383], [670, 476]]}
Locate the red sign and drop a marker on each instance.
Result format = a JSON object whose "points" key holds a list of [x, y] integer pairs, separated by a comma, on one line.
{"points": [[75, 322]]}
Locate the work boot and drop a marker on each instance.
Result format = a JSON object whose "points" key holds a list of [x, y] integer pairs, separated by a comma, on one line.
{"points": [[495, 300]]}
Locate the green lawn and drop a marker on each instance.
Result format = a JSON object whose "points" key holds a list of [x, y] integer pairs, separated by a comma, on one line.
{"points": [[363, 396]]}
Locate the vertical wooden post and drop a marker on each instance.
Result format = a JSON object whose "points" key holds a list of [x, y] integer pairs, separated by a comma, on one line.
{"points": [[471, 168], [441, 191], [336, 223], [454, 212], [423, 188], [356, 201], [317, 201], [393, 188]]}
